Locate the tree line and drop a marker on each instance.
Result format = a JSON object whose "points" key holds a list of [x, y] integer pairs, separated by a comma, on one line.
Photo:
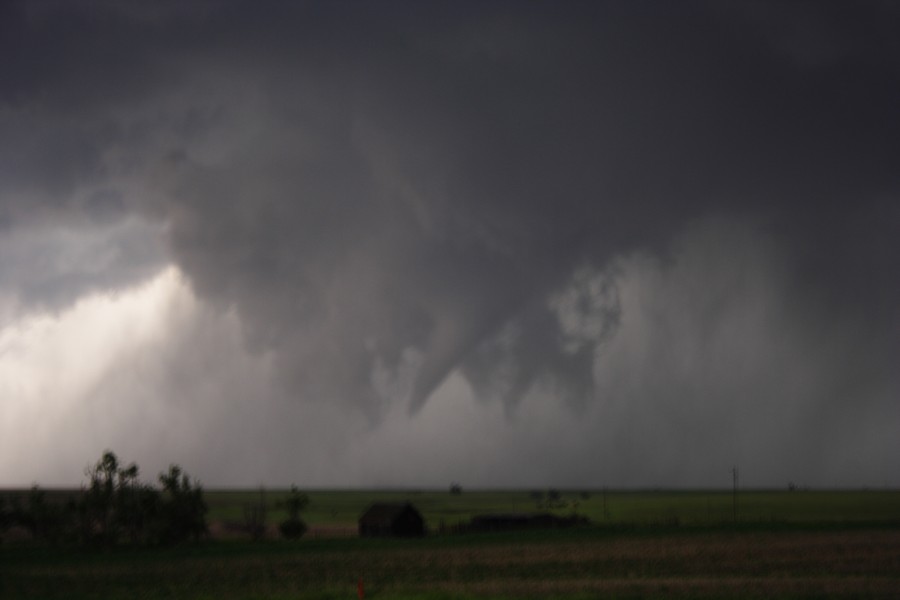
{"points": [[113, 508]]}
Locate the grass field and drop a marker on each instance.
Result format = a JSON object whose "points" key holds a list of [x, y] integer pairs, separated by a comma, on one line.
{"points": [[841, 563], [645, 545], [335, 508]]}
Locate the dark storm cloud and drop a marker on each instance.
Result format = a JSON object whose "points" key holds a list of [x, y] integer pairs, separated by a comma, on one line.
{"points": [[390, 192]]}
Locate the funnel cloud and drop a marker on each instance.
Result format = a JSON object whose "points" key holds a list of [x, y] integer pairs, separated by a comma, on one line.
{"points": [[623, 243]]}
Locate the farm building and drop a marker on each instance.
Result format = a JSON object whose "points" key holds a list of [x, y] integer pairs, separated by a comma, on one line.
{"points": [[391, 520]]}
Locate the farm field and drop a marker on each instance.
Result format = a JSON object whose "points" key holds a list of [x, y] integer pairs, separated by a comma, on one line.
{"points": [[840, 563], [807, 544], [336, 510]]}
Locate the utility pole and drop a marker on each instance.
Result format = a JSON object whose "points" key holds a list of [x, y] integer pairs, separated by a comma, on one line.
{"points": [[734, 495]]}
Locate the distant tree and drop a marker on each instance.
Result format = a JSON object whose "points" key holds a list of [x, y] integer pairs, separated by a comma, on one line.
{"points": [[5, 517], [538, 497], [137, 507], [554, 498], [183, 509], [455, 489], [293, 527], [116, 506], [296, 502], [99, 500], [45, 520], [256, 515], [15, 514]]}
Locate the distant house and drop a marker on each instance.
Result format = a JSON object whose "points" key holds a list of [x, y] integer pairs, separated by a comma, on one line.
{"points": [[384, 519]]}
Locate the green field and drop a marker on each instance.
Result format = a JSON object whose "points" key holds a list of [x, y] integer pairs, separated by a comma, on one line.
{"points": [[613, 507], [643, 545]]}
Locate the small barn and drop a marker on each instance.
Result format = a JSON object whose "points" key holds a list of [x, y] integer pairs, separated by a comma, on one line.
{"points": [[384, 519]]}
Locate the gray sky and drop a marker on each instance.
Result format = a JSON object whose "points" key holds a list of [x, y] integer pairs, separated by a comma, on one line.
{"points": [[405, 243]]}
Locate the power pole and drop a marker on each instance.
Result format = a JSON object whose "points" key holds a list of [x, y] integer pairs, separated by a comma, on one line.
{"points": [[734, 494]]}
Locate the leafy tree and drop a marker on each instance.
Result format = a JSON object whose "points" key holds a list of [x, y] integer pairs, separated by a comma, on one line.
{"points": [[183, 509], [293, 527], [99, 500], [116, 505]]}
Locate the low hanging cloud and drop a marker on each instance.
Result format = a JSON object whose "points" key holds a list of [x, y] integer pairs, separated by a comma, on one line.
{"points": [[683, 218]]}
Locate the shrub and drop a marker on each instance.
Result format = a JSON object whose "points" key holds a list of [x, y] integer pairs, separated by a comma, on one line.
{"points": [[292, 529]]}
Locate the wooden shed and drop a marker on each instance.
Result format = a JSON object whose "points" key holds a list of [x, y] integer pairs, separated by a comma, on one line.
{"points": [[384, 519]]}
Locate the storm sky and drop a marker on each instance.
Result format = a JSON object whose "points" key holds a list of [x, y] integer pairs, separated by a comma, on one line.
{"points": [[574, 244]]}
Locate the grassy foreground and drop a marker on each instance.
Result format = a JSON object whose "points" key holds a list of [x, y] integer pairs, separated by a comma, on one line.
{"points": [[644, 545], [753, 563]]}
